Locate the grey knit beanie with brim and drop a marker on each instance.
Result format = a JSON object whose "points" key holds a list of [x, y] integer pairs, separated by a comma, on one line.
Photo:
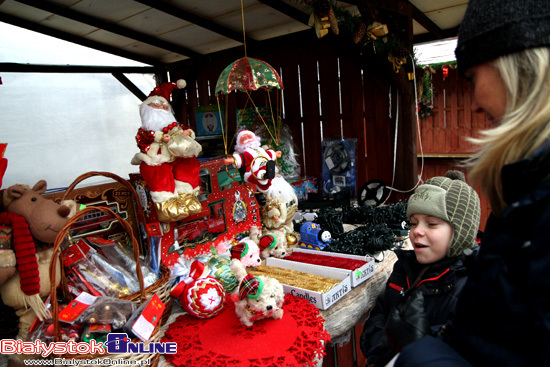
{"points": [[451, 199], [494, 28]]}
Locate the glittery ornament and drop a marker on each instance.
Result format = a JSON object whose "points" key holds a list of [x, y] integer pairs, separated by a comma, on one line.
{"points": [[220, 269], [333, 21], [248, 74], [401, 52], [201, 296], [360, 33]]}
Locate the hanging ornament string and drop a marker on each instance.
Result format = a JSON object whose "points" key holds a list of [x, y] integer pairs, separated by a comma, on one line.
{"points": [[248, 74], [225, 131], [275, 130], [244, 32], [419, 181], [260, 115]]}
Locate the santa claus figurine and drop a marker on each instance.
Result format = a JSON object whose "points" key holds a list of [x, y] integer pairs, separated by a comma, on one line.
{"points": [[167, 158], [257, 163]]}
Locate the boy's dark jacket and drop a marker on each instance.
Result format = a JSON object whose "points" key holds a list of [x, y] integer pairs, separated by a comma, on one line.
{"points": [[503, 316], [440, 286]]}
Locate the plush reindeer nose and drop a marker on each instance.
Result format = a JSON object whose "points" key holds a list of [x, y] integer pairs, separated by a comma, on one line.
{"points": [[269, 307], [64, 211]]}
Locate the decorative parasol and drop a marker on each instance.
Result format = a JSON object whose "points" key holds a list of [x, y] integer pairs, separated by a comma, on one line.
{"points": [[247, 74]]}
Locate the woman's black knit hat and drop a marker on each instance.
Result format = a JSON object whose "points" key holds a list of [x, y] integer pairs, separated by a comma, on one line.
{"points": [[493, 28]]}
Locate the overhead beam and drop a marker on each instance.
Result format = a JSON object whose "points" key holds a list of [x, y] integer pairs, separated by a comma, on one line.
{"points": [[426, 22], [428, 37], [130, 86], [196, 19], [95, 22], [287, 10], [9, 67], [396, 6], [77, 40], [388, 5]]}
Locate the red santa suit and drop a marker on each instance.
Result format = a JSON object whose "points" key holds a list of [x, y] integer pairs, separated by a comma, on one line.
{"points": [[254, 160], [167, 158], [160, 168]]}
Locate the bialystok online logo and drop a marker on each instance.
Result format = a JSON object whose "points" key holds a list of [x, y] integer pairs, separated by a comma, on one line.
{"points": [[116, 343]]}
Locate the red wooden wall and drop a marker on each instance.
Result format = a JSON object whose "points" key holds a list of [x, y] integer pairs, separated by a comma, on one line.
{"points": [[332, 91], [328, 94], [443, 137]]}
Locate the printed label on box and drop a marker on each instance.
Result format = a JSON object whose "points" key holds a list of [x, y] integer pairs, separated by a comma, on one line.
{"points": [[149, 318], [321, 300], [70, 313]]}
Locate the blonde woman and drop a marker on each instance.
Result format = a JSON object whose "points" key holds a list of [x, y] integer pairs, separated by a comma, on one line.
{"points": [[503, 314]]}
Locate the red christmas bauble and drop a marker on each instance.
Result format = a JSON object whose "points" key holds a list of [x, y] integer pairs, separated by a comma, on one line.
{"points": [[203, 297]]}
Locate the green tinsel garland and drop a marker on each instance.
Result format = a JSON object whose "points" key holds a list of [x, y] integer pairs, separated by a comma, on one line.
{"points": [[425, 88]]}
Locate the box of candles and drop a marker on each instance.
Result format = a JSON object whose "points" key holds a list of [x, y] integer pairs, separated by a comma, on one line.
{"points": [[359, 268], [320, 285]]}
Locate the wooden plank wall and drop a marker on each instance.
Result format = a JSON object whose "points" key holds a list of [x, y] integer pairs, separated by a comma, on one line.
{"points": [[327, 95], [443, 139], [331, 93]]}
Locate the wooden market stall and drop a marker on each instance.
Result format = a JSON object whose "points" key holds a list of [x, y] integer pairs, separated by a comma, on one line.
{"points": [[347, 84]]}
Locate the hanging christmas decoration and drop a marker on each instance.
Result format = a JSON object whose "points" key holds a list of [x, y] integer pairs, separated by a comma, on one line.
{"points": [[322, 18], [398, 57], [247, 75], [376, 30], [360, 32], [425, 88]]}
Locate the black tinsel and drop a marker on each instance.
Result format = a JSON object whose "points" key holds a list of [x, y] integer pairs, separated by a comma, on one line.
{"points": [[365, 240], [377, 232]]}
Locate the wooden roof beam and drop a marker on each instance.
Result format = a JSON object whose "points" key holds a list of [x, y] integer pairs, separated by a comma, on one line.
{"points": [[287, 10], [196, 19], [426, 22], [94, 22]]}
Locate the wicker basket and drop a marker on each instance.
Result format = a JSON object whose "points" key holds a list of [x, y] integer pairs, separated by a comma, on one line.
{"points": [[161, 287], [138, 208]]}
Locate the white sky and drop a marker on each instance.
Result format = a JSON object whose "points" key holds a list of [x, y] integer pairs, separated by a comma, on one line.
{"points": [[15, 43], [435, 52], [58, 125]]}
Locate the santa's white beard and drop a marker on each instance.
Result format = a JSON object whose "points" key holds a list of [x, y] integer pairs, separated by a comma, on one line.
{"points": [[155, 119], [240, 148]]}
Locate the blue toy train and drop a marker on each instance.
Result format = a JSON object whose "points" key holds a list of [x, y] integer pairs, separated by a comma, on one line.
{"points": [[313, 237]]}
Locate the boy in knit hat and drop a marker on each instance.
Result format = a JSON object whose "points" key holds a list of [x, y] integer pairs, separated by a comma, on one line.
{"points": [[444, 214], [502, 316]]}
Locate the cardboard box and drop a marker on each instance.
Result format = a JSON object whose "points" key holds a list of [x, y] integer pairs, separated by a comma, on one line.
{"points": [[304, 186], [338, 166], [357, 276], [209, 120], [321, 300]]}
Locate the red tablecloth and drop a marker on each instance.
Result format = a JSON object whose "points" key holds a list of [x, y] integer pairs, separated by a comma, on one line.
{"points": [[298, 339]]}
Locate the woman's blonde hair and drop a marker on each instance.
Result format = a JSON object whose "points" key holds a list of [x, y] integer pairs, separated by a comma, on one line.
{"points": [[525, 125]]}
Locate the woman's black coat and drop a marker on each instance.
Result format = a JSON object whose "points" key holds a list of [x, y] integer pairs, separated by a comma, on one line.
{"points": [[503, 316]]}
